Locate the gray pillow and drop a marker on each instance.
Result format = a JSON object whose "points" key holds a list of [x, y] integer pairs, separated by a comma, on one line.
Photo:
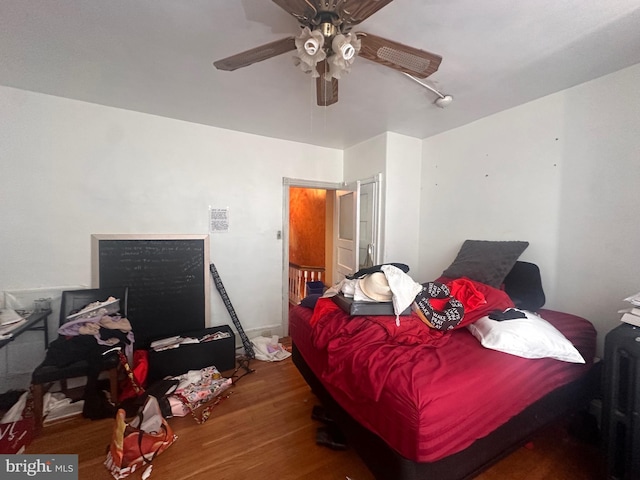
{"points": [[486, 261]]}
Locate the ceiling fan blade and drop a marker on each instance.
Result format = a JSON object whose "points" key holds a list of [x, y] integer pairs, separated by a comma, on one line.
{"points": [[303, 10], [257, 54], [326, 90], [354, 12], [413, 61]]}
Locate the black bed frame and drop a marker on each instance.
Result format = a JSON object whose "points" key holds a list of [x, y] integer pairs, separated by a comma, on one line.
{"points": [[386, 463]]}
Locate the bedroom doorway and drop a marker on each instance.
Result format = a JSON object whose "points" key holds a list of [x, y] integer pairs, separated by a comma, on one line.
{"points": [[342, 220]]}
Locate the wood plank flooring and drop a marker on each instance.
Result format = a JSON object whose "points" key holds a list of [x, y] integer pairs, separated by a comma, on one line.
{"points": [[264, 431]]}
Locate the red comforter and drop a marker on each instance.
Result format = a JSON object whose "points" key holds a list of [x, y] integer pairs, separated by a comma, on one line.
{"points": [[428, 394]]}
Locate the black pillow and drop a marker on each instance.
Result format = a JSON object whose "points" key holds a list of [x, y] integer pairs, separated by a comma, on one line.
{"points": [[310, 300], [485, 261], [524, 286]]}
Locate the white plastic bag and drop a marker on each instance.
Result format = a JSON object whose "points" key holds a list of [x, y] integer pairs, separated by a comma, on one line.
{"points": [[268, 349]]}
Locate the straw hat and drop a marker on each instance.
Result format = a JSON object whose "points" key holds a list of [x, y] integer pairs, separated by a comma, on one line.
{"points": [[376, 287]]}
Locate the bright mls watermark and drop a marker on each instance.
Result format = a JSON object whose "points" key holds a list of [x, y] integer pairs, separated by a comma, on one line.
{"points": [[51, 467]]}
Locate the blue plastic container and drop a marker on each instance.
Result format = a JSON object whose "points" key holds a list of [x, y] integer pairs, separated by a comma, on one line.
{"points": [[315, 288]]}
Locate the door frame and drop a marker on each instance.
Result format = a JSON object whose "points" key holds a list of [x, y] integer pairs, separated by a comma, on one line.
{"points": [[286, 184], [301, 183]]}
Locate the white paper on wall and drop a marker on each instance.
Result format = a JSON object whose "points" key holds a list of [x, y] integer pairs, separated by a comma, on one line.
{"points": [[218, 220]]}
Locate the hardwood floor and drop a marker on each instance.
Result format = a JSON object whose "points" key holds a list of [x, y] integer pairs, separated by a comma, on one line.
{"points": [[265, 431]]}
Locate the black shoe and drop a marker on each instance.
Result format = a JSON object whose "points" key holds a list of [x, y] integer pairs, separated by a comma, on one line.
{"points": [[320, 415], [330, 436]]}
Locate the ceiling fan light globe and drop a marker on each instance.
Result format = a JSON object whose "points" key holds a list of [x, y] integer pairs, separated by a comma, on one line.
{"points": [[311, 46], [347, 51], [341, 46]]}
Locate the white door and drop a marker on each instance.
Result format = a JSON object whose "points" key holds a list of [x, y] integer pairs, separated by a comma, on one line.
{"points": [[347, 233]]}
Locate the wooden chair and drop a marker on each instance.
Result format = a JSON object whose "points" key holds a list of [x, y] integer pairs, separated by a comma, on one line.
{"points": [[44, 375]]}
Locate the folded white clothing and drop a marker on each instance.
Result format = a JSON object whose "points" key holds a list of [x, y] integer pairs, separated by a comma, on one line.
{"points": [[403, 287]]}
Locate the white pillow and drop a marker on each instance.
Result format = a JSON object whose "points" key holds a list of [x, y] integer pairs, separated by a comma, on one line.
{"points": [[531, 337]]}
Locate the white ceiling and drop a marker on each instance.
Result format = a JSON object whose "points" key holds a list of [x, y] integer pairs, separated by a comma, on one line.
{"points": [[155, 56]]}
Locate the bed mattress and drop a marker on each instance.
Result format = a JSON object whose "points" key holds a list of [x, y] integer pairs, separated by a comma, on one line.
{"points": [[427, 395]]}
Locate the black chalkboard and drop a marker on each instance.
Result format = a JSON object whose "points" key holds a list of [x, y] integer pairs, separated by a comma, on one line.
{"points": [[167, 279]]}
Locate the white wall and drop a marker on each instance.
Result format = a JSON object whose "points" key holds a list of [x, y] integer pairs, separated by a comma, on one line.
{"points": [[495, 179], [366, 159], [599, 231], [561, 172], [70, 169], [398, 158], [402, 212]]}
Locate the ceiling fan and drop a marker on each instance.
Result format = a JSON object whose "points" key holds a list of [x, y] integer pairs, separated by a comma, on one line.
{"points": [[326, 48]]}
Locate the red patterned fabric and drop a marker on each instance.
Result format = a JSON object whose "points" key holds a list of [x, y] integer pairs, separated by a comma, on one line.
{"points": [[468, 293], [479, 299], [133, 384], [428, 394]]}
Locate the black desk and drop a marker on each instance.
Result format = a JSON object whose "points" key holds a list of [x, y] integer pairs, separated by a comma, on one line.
{"points": [[32, 322]]}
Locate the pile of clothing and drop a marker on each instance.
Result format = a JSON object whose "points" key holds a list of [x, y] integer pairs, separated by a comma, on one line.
{"points": [[89, 334], [440, 306]]}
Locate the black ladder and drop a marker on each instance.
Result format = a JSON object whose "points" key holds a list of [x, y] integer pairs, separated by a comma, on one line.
{"points": [[246, 343]]}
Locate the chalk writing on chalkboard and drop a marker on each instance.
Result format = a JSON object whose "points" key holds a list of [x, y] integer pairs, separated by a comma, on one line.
{"points": [[167, 280]]}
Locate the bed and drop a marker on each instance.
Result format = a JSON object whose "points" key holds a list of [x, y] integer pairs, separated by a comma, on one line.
{"points": [[419, 404]]}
